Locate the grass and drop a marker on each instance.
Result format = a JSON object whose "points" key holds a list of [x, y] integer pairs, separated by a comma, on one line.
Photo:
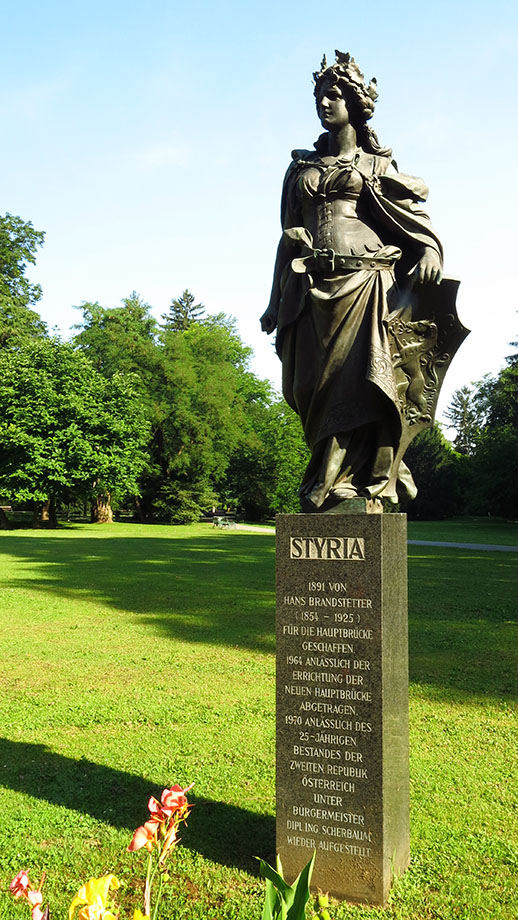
{"points": [[137, 657], [494, 531]]}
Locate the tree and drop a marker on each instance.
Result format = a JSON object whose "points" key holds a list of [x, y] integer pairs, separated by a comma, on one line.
{"points": [[291, 458], [512, 360], [183, 311], [497, 398], [119, 339], [439, 473], [249, 480], [496, 459], [212, 439], [201, 407], [495, 474], [18, 244], [465, 415], [65, 431]]}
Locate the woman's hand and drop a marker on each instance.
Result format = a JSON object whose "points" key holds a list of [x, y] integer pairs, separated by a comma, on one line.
{"points": [[427, 270], [268, 322]]}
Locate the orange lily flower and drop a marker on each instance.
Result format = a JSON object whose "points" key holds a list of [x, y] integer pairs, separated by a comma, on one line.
{"points": [[174, 799], [145, 836], [156, 810], [20, 885]]}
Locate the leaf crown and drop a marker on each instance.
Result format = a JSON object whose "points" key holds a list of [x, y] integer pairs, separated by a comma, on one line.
{"points": [[345, 70]]}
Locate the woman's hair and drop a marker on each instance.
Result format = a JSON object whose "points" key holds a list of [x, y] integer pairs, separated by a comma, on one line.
{"points": [[360, 99]]}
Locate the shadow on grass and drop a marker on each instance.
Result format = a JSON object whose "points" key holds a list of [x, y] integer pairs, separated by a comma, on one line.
{"points": [[120, 799], [214, 589], [217, 588]]}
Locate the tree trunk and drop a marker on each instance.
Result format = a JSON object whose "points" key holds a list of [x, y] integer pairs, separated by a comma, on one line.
{"points": [[4, 522], [101, 511], [53, 517], [48, 513]]}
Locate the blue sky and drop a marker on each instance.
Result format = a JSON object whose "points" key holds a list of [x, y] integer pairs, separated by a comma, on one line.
{"points": [[150, 140]]}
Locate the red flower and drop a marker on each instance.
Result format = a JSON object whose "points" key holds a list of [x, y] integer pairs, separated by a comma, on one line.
{"points": [[156, 810], [20, 885], [144, 836], [174, 799]]}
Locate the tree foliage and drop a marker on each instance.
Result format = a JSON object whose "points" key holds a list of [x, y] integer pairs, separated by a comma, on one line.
{"points": [[291, 458], [202, 412], [436, 468], [249, 481], [183, 311], [172, 417], [119, 339], [65, 431], [495, 466], [18, 244], [466, 415]]}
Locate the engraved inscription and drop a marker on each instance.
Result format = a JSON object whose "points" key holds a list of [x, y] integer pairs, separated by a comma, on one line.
{"points": [[326, 640], [330, 548]]}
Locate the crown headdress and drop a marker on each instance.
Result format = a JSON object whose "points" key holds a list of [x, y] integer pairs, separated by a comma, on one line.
{"points": [[346, 70]]}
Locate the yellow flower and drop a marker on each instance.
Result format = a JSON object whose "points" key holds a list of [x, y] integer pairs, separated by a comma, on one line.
{"points": [[138, 915], [94, 895], [95, 912]]}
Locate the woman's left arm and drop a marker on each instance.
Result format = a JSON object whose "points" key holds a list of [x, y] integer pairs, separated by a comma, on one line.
{"points": [[402, 201]]}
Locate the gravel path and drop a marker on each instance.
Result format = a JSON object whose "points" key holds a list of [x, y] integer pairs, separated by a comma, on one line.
{"points": [[491, 547]]}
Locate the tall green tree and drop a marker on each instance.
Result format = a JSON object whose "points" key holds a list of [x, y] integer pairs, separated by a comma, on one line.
{"points": [[65, 431], [495, 489], [439, 473], [183, 311], [291, 458], [249, 481], [202, 408], [19, 242], [119, 339], [466, 416]]}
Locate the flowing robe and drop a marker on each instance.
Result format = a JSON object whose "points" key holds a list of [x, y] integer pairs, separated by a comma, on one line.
{"points": [[332, 324]]}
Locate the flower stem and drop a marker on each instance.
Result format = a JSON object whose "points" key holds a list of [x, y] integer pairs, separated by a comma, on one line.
{"points": [[158, 897], [147, 889]]}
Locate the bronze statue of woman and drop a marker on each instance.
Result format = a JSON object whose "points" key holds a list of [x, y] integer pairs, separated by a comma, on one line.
{"points": [[355, 237]]}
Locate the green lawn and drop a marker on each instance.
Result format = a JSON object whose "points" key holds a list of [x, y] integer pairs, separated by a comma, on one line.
{"points": [[494, 531], [135, 657]]}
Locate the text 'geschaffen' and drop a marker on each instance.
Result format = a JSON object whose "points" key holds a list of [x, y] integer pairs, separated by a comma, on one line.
{"points": [[352, 548]]}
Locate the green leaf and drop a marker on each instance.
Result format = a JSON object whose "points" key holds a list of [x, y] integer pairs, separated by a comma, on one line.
{"points": [[273, 904], [301, 891], [283, 901], [269, 872]]}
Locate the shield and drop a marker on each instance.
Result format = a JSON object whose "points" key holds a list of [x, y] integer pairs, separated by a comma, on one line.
{"points": [[424, 336]]}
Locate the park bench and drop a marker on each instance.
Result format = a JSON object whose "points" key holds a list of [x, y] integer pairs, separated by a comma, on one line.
{"points": [[224, 522]]}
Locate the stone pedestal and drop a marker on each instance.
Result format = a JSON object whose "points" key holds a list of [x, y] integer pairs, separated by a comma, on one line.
{"points": [[342, 701]]}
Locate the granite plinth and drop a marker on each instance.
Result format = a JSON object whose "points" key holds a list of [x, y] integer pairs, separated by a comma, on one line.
{"points": [[342, 701]]}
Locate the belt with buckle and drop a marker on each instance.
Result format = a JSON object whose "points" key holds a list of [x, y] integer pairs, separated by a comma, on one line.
{"points": [[329, 260]]}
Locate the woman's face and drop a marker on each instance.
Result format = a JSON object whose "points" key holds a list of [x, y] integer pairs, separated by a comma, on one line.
{"points": [[332, 107]]}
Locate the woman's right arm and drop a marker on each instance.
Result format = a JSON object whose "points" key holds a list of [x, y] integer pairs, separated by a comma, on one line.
{"points": [[290, 217], [269, 317]]}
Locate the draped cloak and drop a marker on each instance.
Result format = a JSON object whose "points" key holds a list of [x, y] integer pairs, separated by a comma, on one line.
{"points": [[332, 335]]}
